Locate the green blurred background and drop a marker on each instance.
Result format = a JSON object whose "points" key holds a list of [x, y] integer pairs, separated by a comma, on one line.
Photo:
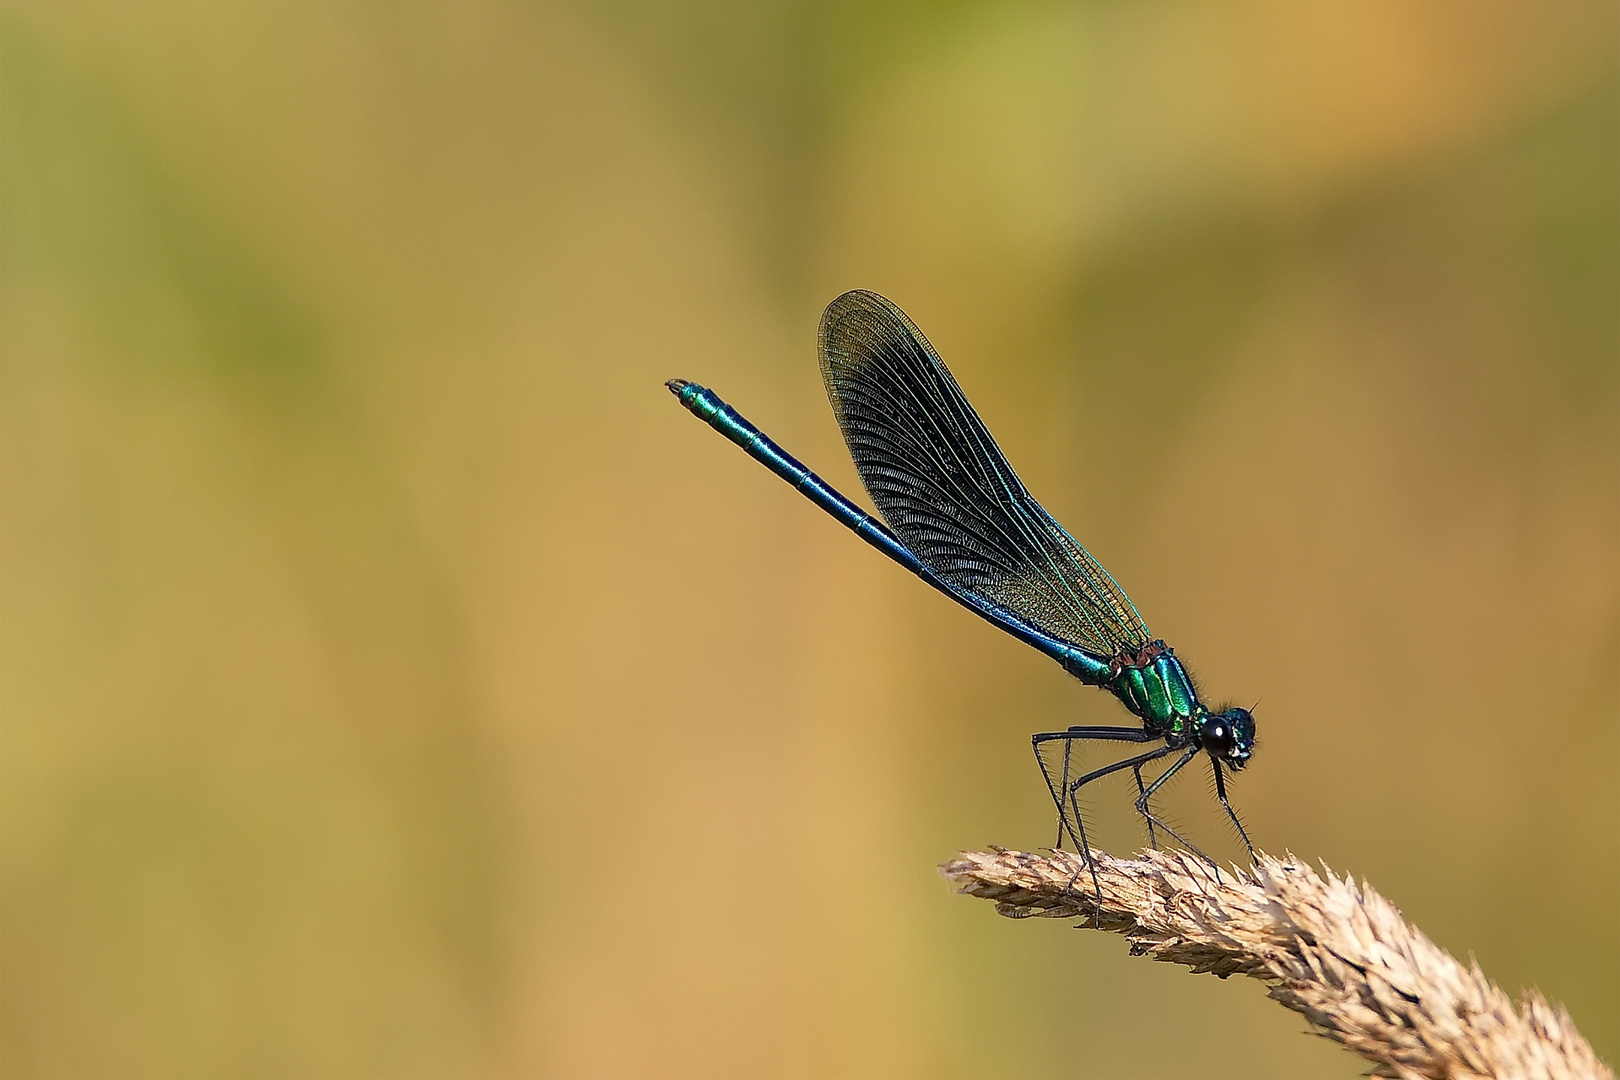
{"points": [[397, 682]]}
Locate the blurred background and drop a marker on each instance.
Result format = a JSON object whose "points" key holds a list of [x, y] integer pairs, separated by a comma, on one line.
{"points": [[396, 682]]}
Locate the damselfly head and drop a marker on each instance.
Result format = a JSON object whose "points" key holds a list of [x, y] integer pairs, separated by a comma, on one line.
{"points": [[1228, 736]]}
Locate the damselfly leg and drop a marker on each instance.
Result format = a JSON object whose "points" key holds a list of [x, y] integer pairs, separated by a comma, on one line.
{"points": [[1065, 787], [1153, 839], [1147, 812], [1220, 793]]}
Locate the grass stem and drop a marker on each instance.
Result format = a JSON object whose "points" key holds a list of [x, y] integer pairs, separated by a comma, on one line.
{"points": [[1336, 953]]}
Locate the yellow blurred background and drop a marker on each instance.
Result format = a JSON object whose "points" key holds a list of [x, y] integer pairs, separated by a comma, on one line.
{"points": [[396, 682]]}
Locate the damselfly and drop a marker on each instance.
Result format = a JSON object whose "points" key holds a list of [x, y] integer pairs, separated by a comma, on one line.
{"points": [[955, 514]]}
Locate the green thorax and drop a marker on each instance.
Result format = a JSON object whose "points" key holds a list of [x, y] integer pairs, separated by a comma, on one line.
{"points": [[1155, 687]]}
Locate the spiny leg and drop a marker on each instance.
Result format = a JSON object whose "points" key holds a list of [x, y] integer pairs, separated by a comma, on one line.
{"points": [[1081, 845], [1133, 763], [1220, 793], [1063, 790], [1136, 766], [1061, 787], [1153, 841], [1146, 811], [1068, 749]]}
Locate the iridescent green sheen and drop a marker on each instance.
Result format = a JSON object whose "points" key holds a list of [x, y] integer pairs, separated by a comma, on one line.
{"points": [[1128, 687], [951, 510], [1183, 699], [1161, 694]]}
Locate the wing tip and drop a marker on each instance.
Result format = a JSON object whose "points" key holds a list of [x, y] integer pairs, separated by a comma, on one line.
{"points": [[858, 299], [862, 302]]}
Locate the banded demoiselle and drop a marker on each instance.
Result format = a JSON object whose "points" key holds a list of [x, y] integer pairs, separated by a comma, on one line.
{"points": [[955, 514]]}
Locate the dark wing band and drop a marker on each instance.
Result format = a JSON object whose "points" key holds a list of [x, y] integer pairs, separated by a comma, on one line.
{"points": [[944, 487]]}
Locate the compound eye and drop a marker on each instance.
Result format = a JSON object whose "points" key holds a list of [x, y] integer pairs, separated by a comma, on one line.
{"points": [[1216, 736]]}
